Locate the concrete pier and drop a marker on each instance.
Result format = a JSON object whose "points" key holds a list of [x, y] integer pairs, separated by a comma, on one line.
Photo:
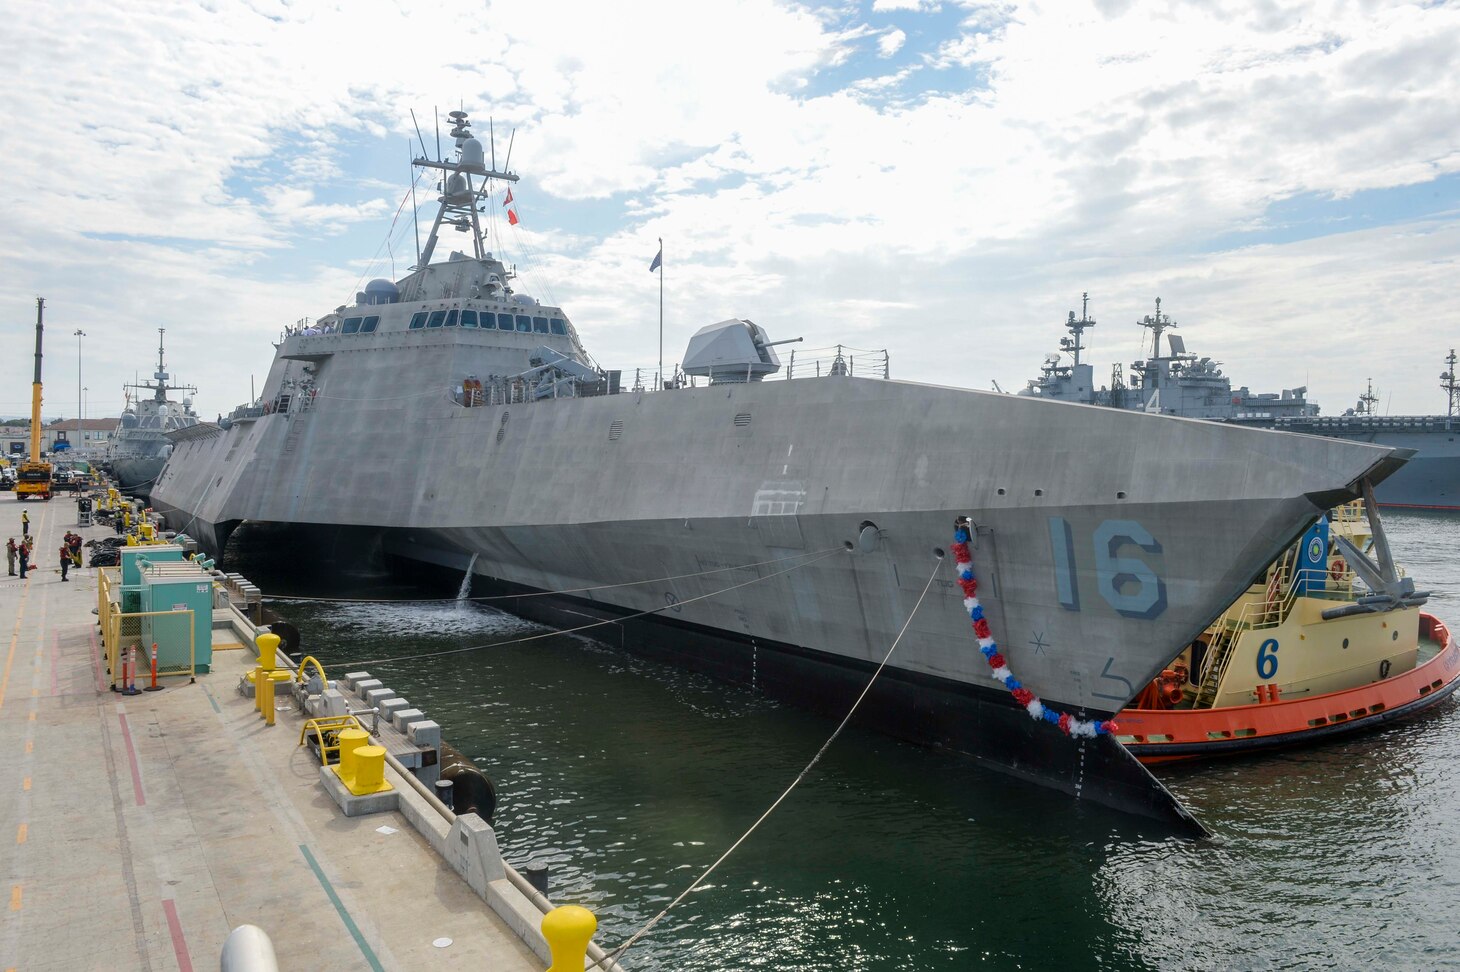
{"points": [[139, 831]]}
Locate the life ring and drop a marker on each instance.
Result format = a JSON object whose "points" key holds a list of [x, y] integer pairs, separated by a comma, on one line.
{"points": [[1337, 569]]}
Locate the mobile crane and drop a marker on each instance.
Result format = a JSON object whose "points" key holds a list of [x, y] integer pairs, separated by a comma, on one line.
{"points": [[34, 476]]}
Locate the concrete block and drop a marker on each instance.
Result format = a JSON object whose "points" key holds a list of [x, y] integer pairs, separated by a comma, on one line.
{"points": [[331, 703], [356, 806], [366, 684], [471, 848], [424, 733], [373, 697], [403, 718], [351, 678], [389, 707]]}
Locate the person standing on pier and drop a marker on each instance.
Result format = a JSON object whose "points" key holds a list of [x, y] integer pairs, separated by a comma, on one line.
{"points": [[10, 551], [65, 562], [24, 560], [74, 542], [24, 523]]}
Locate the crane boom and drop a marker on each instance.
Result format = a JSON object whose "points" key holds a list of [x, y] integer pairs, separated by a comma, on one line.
{"points": [[34, 479]]}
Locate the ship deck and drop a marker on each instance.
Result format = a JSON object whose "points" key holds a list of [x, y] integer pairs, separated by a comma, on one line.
{"points": [[142, 829]]}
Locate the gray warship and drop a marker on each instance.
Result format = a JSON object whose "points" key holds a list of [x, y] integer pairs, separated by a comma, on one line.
{"points": [[765, 527], [1180, 382], [140, 445]]}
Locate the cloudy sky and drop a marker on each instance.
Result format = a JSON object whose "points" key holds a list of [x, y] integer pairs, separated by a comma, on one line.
{"points": [[940, 179]]}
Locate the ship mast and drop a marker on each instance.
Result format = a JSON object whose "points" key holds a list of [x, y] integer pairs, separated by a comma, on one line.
{"points": [[1451, 387], [1077, 328], [161, 373], [462, 195], [1368, 401], [1158, 325]]}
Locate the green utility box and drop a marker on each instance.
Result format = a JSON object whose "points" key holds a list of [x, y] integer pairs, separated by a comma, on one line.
{"points": [[132, 563], [168, 591]]}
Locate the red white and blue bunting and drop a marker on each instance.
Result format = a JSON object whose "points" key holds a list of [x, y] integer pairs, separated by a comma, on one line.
{"points": [[1068, 724]]}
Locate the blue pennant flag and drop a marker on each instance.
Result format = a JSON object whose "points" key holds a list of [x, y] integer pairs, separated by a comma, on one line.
{"points": [[658, 259]]}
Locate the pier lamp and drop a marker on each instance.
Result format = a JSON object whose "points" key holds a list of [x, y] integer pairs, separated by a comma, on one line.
{"points": [[79, 335]]}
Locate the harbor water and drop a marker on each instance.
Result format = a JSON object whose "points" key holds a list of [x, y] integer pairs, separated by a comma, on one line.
{"points": [[628, 777]]}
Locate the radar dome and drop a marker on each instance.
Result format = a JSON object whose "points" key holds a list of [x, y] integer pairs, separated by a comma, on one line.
{"points": [[162, 411], [129, 419], [472, 158], [381, 291], [456, 189]]}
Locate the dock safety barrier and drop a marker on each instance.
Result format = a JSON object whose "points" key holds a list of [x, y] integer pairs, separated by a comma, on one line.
{"points": [[121, 633]]}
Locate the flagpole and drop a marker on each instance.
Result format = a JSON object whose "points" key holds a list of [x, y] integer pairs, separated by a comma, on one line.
{"points": [[661, 315]]}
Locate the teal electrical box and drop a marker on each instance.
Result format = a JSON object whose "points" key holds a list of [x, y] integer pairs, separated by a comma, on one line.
{"points": [[132, 561], [168, 591]]}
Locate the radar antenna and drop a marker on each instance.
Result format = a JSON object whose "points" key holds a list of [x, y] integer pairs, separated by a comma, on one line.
{"points": [[1158, 325], [1449, 384], [1077, 328], [465, 186], [1368, 401]]}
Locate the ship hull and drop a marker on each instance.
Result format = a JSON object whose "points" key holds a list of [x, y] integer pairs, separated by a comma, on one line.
{"points": [[808, 514], [135, 475], [1430, 480]]}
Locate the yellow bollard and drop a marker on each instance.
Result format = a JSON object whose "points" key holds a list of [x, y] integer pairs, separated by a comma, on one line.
{"points": [[268, 645], [350, 740], [263, 691], [369, 771], [568, 929]]}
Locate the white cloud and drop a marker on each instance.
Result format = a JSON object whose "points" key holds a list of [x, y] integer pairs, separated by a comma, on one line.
{"points": [[1069, 147]]}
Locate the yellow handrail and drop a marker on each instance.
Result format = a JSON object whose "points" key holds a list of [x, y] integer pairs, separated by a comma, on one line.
{"points": [[327, 732], [311, 660]]}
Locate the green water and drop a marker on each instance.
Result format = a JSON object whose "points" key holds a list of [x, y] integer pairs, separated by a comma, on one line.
{"points": [[629, 777]]}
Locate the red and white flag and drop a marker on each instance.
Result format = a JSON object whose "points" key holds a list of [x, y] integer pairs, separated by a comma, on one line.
{"points": [[508, 200], [512, 217]]}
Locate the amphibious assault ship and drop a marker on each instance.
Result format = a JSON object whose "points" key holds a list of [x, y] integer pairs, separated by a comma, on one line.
{"points": [[140, 446], [1181, 383], [775, 528]]}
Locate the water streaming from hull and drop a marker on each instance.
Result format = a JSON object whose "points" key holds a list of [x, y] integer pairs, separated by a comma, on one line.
{"points": [[464, 591]]}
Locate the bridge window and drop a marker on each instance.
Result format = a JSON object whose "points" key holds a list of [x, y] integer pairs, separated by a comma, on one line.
{"points": [[468, 318], [451, 319], [558, 326], [352, 324], [370, 324], [539, 324], [418, 321], [524, 322], [437, 319]]}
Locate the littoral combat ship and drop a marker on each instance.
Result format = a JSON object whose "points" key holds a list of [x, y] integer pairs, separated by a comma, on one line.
{"points": [[140, 446], [781, 531]]}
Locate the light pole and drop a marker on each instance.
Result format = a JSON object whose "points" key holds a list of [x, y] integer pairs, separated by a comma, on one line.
{"points": [[79, 335]]}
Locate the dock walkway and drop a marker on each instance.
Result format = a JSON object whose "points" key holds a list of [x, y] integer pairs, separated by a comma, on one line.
{"points": [[138, 831]]}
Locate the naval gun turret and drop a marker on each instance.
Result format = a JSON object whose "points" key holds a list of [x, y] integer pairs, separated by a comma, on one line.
{"points": [[732, 351]]}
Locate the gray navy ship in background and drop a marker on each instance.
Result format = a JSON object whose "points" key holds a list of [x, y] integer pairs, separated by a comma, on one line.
{"points": [[768, 528], [1181, 383], [140, 445]]}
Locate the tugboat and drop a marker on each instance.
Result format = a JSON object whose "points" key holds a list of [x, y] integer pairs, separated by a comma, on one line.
{"points": [[139, 446], [1305, 654]]}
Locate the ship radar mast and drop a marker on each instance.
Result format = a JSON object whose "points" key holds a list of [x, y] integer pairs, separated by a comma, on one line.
{"points": [[1077, 328], [1368, 401], [465, 187], [1449, 384], [1158, 325]]}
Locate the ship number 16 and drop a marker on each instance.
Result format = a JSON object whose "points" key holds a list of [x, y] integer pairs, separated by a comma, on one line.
{"points": [[1129, 585]]}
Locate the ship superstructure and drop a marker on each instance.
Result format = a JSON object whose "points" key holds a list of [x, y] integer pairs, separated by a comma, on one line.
{"points": [[140, 445], [1183, 384], [779, 531]]}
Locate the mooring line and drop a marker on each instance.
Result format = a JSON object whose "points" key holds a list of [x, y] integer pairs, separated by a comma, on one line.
{"points": [[514, 597], [619, 952], [585, 627]]}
